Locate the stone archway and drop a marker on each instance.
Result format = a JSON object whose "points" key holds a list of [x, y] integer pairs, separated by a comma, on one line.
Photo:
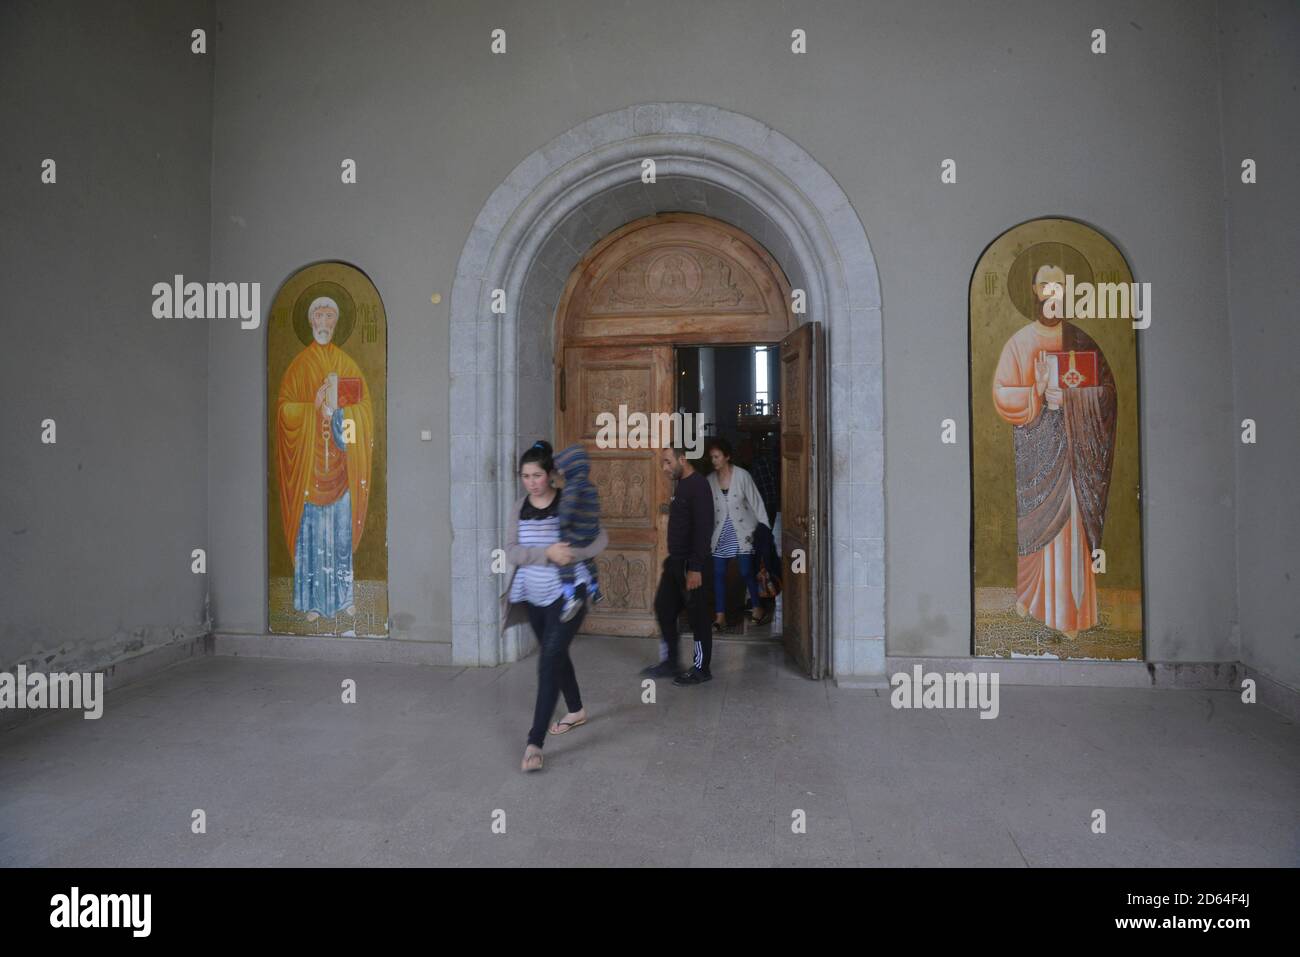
{"points": [[539, 222]]}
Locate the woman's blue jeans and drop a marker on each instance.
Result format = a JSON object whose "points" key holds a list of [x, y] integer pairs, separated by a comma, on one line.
{"points": [[747, 572]]}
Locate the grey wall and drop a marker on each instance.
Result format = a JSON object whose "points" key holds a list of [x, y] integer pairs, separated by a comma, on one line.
{"points": [[1261, 75], [1127, 142], [97, 529]]}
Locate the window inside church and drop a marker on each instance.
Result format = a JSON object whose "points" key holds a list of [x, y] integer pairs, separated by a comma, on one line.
{"points": [[761, 396]]}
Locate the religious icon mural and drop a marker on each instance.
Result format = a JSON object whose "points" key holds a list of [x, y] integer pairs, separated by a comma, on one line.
{"points": [[1056, 530], [327, 349]]}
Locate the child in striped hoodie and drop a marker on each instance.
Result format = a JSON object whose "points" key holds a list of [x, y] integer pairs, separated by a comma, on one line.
{"points": [[579, 522]]}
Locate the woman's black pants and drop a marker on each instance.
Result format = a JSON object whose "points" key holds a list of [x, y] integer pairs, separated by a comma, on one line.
{"points": [[554, 667]]}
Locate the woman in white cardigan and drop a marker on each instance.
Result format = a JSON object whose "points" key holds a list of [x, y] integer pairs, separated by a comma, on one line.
{"points": [[737, 511]]}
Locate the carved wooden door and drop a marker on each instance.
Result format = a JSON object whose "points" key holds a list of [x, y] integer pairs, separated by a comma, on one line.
{"points": [[804, 516], [632, 486], [668, 280]]}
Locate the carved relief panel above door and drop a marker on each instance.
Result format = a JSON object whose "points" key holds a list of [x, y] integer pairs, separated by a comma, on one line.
{"points": [[681, 278], [676, 277]]}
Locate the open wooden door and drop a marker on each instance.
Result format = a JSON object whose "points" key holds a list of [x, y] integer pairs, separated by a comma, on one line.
{"points": [[805, 514], [631, 484], [674, 279]]}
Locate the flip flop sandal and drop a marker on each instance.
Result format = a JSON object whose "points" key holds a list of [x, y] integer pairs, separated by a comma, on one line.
{"points": [[564, 727], [532, 767]]}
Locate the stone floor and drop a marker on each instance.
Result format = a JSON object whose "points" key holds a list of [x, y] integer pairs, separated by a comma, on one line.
{"points": [[413, 772]]}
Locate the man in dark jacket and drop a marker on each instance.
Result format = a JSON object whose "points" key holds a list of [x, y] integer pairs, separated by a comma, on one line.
{"points": [[683, 583]]}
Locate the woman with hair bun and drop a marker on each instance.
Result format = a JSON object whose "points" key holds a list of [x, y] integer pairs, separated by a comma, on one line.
{"points": [[737, 512], [535, 594]]}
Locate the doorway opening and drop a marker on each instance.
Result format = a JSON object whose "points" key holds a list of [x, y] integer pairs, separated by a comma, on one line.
{"points": [[735, 389], [639, 309]]}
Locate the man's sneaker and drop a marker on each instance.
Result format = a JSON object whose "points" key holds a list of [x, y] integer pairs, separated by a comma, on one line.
{"points": [[693, 677], [665, 669]]}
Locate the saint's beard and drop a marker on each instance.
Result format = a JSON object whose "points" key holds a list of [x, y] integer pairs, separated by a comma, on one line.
{"points": [[1049, 321]]}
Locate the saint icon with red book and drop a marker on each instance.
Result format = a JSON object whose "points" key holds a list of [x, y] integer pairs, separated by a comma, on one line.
{"points": [[1054, 387]]}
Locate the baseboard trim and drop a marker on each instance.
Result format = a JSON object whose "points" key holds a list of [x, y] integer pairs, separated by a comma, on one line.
{"points": [[1206, 675], [305, 647], [121, 673], [1275, 695], [1215, 675]]}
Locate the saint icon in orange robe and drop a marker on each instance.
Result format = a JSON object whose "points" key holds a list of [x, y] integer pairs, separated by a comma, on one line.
{"points": [[324, 448], [1064, 446]]}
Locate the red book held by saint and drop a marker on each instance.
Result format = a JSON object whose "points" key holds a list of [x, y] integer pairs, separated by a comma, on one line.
{"points": [[349, 391], [1073, 369]]}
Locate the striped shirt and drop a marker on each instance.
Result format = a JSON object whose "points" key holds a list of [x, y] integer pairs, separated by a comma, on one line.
{"points": [[728, 544], [540, 584]]}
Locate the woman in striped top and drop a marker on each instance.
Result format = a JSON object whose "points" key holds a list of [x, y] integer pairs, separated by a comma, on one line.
{"points": [[535, 594]]}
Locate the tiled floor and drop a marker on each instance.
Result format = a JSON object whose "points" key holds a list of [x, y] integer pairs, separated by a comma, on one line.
{"points": [[415, 770]]}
